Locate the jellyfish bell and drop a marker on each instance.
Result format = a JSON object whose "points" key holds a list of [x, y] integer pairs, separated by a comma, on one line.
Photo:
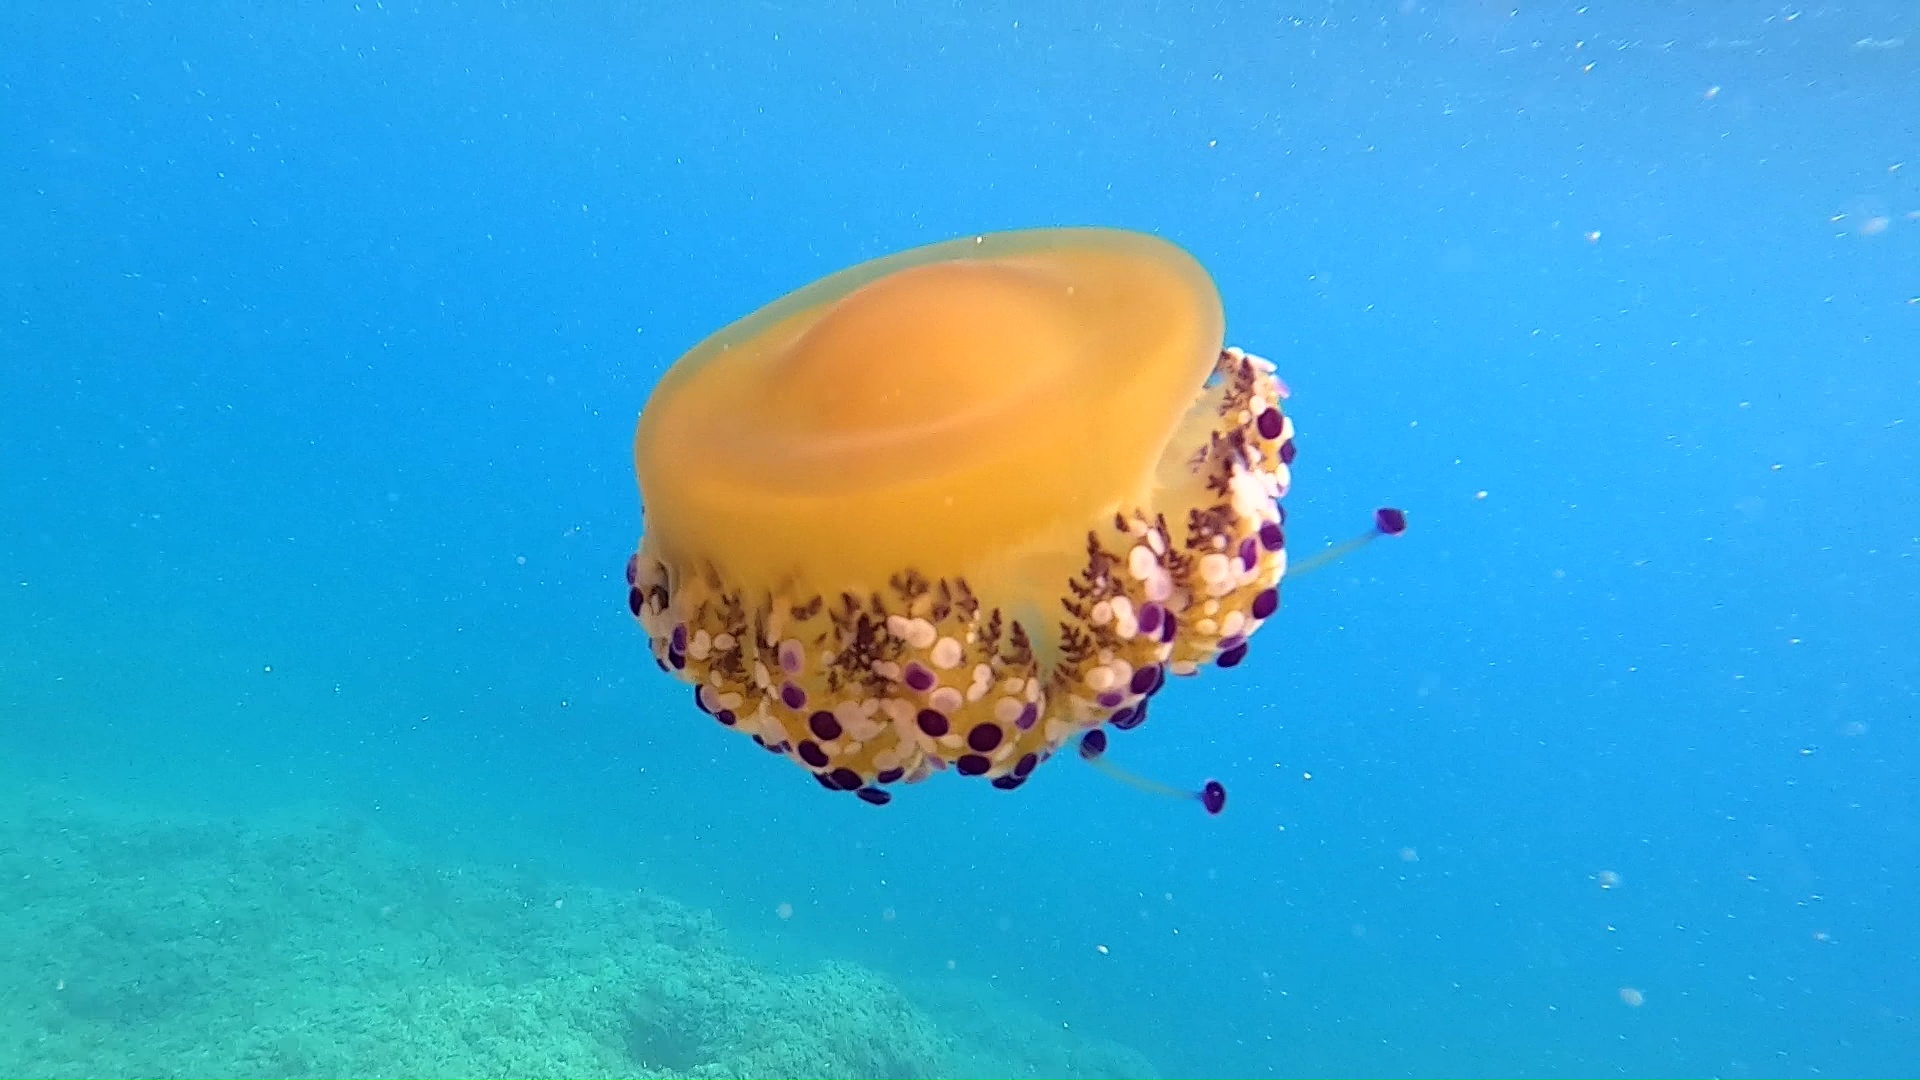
{"points": [[967, 409], [955, 507]]}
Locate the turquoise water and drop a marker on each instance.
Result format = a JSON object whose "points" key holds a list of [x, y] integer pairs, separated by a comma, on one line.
{"points": [[328, 747]]}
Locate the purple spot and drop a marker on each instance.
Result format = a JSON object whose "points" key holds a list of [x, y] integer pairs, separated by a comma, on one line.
{"points": [[933, 722], [1008, 782], [888, 776], [1272, 537], [972, 765], [1213, 796], [699, 699], [1388, 521], [726, 717], [846, 779], [1145, 679], [776, 748], [917, 677], [1231, 642], [1233, 656], [1249, 553], [1093, 744], [633, 568], [1025, 765], [826, 781], [1127, 719], [811, 753], [677, 658], [984, 737], [1168, 628], [1286, 452], [1028, 716], [792, 696], [678, 643], [635, 601], [1110, 699], [1265, 603], [824, 726], [1269, 424], [875, 796], [1150, 614], [661, 664]]}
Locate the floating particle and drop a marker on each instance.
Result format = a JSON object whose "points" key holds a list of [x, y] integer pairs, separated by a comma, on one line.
{"points": [[1608, 879], [1632, 997]]}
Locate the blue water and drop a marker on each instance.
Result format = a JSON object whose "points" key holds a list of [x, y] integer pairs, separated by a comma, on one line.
{"points": [[324, 325]]}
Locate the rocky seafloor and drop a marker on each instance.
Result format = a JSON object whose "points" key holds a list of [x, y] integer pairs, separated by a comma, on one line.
{"points": [[136, 945]]}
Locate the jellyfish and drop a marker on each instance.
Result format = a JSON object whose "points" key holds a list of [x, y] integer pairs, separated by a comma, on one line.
{"points": [[953, 509]]}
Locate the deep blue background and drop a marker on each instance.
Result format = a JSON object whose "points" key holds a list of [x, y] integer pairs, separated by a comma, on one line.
{"points": [[323, 327]]}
